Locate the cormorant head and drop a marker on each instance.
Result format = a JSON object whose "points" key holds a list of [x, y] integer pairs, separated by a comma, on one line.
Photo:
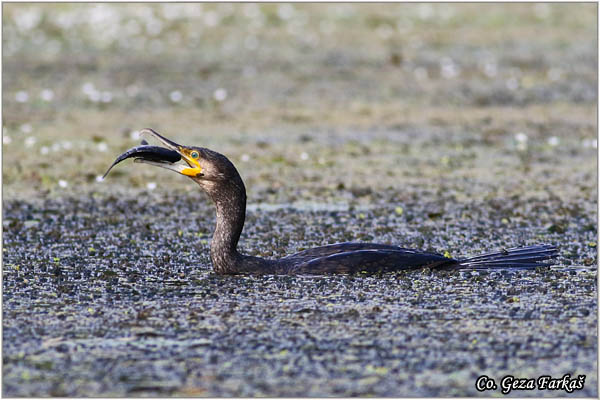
{"points": [[206, 167]]}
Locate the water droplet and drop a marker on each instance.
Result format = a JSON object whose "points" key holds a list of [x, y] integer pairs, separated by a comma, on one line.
{"points": [[47, 95], [245, 158], [151, 185], [62, 183], [6, 139], [220, 94], [99, 178], [22, 96], [304, 156], [593, 143], [521, 137], [102, 147], [176, 96], [135, 135], [44, 150], [553, 141]]}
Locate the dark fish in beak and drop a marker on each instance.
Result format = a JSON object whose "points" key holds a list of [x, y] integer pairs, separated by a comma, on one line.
{"points": [[145, 152]]}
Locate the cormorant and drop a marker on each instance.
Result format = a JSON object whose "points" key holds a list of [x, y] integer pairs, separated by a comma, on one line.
{"points": [[220, 180]]}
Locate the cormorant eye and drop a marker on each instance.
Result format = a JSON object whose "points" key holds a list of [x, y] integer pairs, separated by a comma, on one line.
{"points": [[195, 155]]}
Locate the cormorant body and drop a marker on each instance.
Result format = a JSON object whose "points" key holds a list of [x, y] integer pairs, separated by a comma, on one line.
{"points": [[220, 180]]}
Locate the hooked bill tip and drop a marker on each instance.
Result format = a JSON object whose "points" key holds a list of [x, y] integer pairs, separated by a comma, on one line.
{"points": [[147, 131]]}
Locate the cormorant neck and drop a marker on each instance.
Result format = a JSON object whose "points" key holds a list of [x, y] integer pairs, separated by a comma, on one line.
{"points": [[230, 201]]}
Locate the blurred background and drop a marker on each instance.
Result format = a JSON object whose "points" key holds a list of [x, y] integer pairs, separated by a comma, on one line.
{"points": [[327, 96]]}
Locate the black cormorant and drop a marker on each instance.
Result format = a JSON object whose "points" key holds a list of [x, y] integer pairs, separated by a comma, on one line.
{"points": [[220, 180]]}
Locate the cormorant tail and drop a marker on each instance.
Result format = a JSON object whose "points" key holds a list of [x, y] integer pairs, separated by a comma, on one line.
{"points": [[528, 257]]}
